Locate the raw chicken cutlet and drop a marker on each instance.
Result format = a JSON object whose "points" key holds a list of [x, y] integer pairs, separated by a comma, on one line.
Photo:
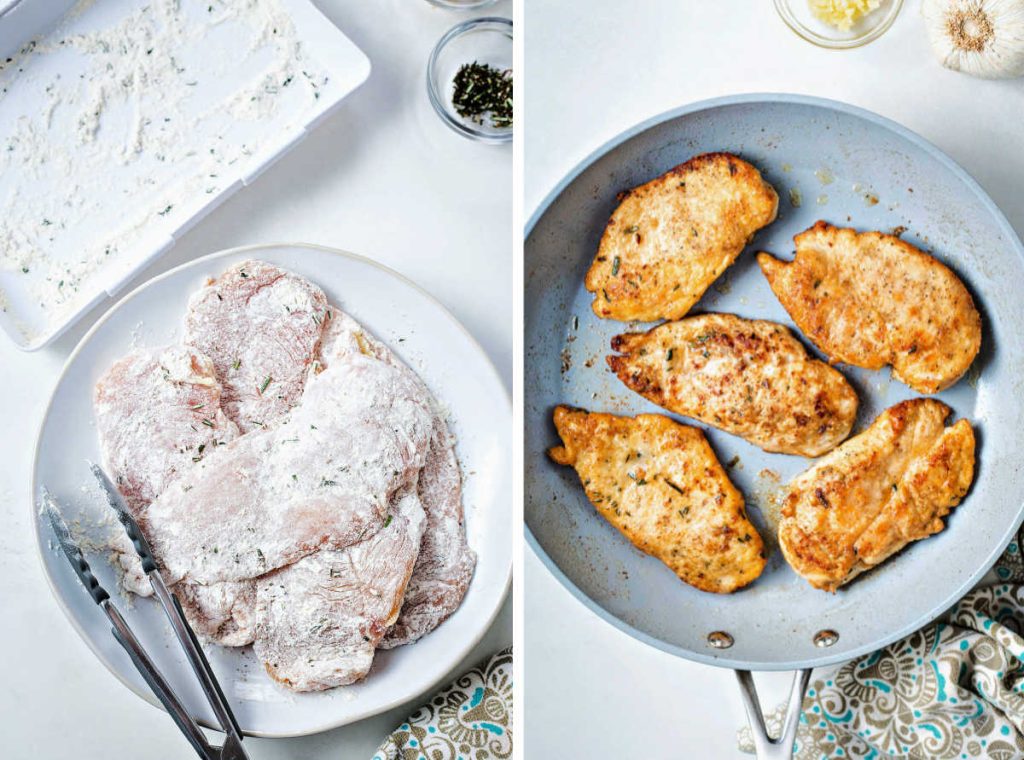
{"points": [[322, 618], [445, 565], [261, 326], [751, 378], [158, 414], [871, 299], [322, 477], [660, 484], [256, 321], [224, 613], [892, 484], [369, 582], [669, 239]]}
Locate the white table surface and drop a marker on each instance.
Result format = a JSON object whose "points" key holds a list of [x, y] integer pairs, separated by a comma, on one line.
{"points": [[593, 69], [383, 177]]}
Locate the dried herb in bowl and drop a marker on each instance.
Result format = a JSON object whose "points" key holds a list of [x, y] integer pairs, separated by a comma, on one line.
{"points": [[483, 92]]}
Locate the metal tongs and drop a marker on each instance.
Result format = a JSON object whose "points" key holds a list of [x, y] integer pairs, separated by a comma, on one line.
{"points": [[232, 747]]}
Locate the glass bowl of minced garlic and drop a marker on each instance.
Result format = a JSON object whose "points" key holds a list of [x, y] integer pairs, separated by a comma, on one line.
{"points": [[839, 24]]}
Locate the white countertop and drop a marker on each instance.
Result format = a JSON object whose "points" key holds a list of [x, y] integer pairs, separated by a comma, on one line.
{"points": [[384, 178], [592, 70]]}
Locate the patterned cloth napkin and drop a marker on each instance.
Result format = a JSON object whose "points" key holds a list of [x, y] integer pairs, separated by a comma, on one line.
{"points": [[954, 689], [470, 720]]}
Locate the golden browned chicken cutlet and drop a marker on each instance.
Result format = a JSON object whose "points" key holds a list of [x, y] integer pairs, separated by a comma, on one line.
{"points": [[882, 489], [660, 484], [871, 299], [669, 239], [751, 378]]}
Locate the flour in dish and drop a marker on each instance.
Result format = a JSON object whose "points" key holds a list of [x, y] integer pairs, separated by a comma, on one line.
{"points": [[117, 128]]}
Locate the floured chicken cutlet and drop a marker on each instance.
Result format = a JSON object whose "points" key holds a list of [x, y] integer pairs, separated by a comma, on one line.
{"points": [[322, 618], [751, 378], [261, 325], [224, 613], [257, 322], [445, 565], [406, 571], [863, 502], [322, 477], [669, 239], [660, 484], [871, 299], [158, 414]]}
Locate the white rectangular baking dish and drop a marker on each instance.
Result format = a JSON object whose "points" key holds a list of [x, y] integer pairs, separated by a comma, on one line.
{"points": [[123, 124]]}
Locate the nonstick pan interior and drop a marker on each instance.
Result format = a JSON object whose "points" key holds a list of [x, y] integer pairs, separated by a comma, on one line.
{"points": [[846, 166]]}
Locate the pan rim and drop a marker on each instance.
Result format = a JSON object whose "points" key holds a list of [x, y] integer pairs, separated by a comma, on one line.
{"points": [[1013, 240]]}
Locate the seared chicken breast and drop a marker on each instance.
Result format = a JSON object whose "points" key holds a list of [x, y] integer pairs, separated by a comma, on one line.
{"points": [[892, 484], [871, 299], [751, 378], [669, 239], [660, 484]]}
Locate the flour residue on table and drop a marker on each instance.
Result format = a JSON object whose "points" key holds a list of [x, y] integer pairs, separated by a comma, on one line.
{"points": [[118, 126]]}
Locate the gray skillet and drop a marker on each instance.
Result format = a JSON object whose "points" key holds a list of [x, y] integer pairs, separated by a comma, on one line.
{"points": [[847, 166]]}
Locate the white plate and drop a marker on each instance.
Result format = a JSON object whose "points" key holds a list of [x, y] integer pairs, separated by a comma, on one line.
{"points": [[426, 336]]}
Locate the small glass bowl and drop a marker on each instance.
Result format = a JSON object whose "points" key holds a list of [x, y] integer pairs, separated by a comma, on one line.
{"points": [[484, 40], [798, 16], [462, 5]]}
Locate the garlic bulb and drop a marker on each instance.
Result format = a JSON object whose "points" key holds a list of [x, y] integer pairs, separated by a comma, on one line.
{"points": [[983, 38]]}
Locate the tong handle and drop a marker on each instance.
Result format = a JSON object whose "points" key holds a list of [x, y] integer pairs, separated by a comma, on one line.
{"points": [[176, 617], [158, 684], [232, 749], [197, 659], [766, 747]]}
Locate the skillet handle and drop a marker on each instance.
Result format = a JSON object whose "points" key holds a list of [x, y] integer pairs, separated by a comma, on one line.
{"points": [[766, 747]]}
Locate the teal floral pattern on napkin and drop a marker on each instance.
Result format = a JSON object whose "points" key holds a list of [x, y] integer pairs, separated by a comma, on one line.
{"points": [[470, 720], [954, 689]]}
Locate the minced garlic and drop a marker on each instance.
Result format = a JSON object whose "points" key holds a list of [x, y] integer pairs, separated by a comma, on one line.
{"points": [[842, 14]]}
